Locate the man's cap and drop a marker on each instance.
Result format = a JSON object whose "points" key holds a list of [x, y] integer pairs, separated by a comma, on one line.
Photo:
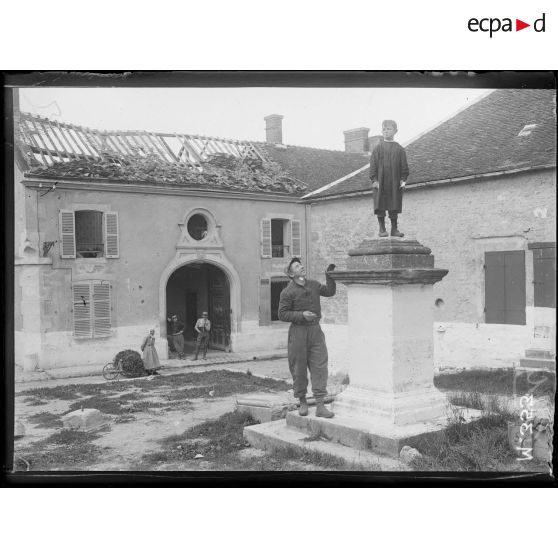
{"points": [[288, 266], [204, 313]]}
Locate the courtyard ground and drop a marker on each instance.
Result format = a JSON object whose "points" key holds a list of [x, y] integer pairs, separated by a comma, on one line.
{"points": [[185, 420]]}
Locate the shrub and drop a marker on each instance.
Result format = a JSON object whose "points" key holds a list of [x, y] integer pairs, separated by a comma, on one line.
{"points": [[132, 363]]}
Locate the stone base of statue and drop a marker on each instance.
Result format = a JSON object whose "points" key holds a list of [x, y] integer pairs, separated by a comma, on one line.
{"points": [[391, 399]]}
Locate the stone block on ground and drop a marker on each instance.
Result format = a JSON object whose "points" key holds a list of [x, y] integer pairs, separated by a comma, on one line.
{"points": [[19, 429], [407, 454], [273, 406], [85, 419]]}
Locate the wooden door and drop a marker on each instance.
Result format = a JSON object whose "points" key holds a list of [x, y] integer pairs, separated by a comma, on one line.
{"points": [[219, 310], [191, 314]]}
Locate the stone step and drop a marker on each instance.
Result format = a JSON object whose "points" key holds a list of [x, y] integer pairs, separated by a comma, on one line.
{"points": [[380, 437], [277, 435], [546, 363], [539, 353]]}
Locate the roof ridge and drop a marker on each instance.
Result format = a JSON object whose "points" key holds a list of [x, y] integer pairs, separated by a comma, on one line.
{"points": [[335, 182], [265, 143]]}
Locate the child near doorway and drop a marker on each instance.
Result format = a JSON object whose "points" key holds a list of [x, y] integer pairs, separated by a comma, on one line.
{"points": [[202, 327]]}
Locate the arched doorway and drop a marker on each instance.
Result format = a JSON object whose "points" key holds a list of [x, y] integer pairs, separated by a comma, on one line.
{"points": [[195, 288]]}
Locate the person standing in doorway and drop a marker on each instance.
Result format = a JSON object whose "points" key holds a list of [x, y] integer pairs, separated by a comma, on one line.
{"points": [[150, 357], [389, 172], [202, 327], [176, 335], [299, 303]]}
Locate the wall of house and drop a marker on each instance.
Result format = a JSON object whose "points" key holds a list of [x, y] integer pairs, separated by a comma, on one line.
{"points": [[149, 232], [459, 222]]}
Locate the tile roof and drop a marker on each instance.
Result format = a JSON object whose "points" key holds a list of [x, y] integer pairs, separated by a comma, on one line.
{"points": [[314, 167], [60, 150], [485, 137]]}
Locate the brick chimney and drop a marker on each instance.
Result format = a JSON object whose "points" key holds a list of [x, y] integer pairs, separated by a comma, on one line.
{"points": [[273, 128], [373, 141], [356, 140]]}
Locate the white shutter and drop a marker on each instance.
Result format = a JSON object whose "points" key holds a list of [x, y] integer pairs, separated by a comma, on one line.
{"points": [[67, 226], [265, 301], [266, 238], [101, 309], [295, 239], [111, 234], [82, 310]]}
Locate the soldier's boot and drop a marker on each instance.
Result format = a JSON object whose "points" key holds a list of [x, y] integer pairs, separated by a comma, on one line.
{"points": [[382, 223], [303, 407], [394, 231], [322, 410]]}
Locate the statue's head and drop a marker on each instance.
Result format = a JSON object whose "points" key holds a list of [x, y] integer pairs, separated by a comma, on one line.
{"points": [[389, 129]]}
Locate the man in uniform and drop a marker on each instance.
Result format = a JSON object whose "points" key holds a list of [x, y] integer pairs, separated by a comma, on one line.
{"points": [[299, 304], [202, 327], [389, 172]]}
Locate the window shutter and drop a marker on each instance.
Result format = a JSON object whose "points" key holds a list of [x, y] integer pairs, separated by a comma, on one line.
{"points": [[111, 234], [505, 287], [67, 226], [82, 310], [101, 309], [266, 238], [295, 239], [544, 262], [265, 301], [515, 287]]}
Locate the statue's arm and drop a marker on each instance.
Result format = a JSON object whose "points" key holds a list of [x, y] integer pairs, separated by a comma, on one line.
{"points": [[404, 166], [374, 165]]}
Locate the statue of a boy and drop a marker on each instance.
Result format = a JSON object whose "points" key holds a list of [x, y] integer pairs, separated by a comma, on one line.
{"points": [[389, 172]]}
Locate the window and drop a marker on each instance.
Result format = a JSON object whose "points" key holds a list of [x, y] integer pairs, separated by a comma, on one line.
{"points": [[280, 238], [505, 287], [89, 234], [92, 309], [197, 227], [277, 285], [278, 247]]}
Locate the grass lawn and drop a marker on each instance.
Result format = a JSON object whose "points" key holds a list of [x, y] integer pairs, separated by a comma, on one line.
{"points": [[478, 446]]}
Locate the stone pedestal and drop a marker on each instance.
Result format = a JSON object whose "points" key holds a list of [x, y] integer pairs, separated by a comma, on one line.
{"points": [[391, 400], [390, 318]]}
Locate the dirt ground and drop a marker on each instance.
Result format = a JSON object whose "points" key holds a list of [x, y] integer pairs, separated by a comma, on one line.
{"points": [[150, 421]]}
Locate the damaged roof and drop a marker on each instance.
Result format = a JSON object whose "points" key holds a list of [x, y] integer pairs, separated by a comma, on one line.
{"points": [[60, 150], [508, 130]]}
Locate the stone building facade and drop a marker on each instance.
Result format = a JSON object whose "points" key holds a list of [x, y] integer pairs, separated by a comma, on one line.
{"points": [[506, 211], [111, 238]]}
